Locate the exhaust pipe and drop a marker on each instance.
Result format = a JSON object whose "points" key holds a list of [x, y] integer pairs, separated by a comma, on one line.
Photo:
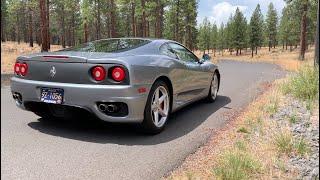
{"points": [[108, 107], [111, 108], [17, 97], [102, 107]]}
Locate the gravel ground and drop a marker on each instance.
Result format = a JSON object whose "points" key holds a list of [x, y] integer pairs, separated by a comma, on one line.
{"points": [[306, 126]]}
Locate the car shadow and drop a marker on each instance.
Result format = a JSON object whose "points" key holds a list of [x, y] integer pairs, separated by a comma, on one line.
{"points": [[91, 130]]}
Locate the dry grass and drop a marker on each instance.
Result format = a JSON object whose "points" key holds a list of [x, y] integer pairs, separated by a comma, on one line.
{"points": [[11, 50], [286, 59], [258, 142]]}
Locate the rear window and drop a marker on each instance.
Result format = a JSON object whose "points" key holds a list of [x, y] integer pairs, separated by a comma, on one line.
{"points": [[109, 45]]}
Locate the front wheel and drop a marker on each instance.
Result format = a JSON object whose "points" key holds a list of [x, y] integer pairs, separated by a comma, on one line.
{"points": [[214, 87], [157, 108]]}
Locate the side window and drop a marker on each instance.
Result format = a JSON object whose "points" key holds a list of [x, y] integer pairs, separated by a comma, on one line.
{"points": [[166, 50], [183, 53]]}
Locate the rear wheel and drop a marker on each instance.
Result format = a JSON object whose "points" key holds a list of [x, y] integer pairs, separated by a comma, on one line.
{"points": [[157, 108], [214, 87]]}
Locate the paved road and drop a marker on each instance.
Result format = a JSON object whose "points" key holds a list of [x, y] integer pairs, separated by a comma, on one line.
{"points": [[32, 148]]}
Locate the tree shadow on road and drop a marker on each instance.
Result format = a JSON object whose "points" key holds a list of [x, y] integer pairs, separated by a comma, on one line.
{"points": [[91, 130]]}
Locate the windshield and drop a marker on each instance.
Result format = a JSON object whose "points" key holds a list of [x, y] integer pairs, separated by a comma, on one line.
{"points": [[109, 45]]}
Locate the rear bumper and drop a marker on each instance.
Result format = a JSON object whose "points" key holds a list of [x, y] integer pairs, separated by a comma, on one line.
{"points": [[86, 96]]}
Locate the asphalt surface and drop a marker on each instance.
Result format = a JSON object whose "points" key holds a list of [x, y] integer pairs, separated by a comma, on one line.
{"points": [[33, 148]]}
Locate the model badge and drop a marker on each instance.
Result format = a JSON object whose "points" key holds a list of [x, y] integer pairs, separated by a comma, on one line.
{"points": [[53, 71]]}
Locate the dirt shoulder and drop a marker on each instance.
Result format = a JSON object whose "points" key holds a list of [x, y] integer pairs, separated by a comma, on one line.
{"points": [[276, 136]]}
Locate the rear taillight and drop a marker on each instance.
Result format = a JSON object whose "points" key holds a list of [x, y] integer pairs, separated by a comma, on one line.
{"points": [[98, 73], [118, 74], [21, 68], [17, 68]]}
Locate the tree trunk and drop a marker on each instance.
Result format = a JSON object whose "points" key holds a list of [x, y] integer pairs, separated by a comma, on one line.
{"points": [[316, 53], [161, 20], [30, 28], [98, 23], [38, 36], [158, 20], [113, 19], [133, 19], [44, 26], [144, 28], [18, 30], [176, 26], [3, 23], [25, 22], [256, 50], [269, 46], [69, 36], [148, 29], [73, 39], [252, 52], [303, 31], [63, 29], [48, 26], [85, 27]]}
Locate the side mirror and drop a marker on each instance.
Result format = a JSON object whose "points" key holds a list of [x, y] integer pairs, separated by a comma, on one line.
{"points": [[206, 57]]}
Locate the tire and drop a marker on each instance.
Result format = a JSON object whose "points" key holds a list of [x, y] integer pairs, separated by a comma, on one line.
{"points": [[156, 113], [214, 88]]}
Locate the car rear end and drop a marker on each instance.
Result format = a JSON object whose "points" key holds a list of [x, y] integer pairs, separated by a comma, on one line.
{"points": [[57, 83]]}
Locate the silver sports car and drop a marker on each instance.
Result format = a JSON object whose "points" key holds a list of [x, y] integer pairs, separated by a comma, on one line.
{"points": [[118, 80]]}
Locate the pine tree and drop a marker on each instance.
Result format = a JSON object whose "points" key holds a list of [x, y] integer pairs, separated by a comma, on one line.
{"points": [[255, 30], [221, 39], [213, 38], [284, 29], [239, 31], [230, 34], [204, 35], [271, 26]]}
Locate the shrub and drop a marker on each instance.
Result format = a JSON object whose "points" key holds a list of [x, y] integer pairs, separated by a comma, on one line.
{"points": [[241, 145], [243, 130], [273, 104], [237, 165], [293, 118], [284, 142], [303, 85], [301, 147]]}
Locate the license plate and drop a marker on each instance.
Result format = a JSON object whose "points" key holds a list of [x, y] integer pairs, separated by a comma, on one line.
{"points": [[52, 95]]}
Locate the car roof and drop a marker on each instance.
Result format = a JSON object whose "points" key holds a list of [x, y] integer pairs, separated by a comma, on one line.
{"points": [[142, 38]]}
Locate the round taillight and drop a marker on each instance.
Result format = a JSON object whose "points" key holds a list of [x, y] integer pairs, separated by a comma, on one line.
{"points": [[118, 74], [17, 68], [23, 69], [98, 73]]}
